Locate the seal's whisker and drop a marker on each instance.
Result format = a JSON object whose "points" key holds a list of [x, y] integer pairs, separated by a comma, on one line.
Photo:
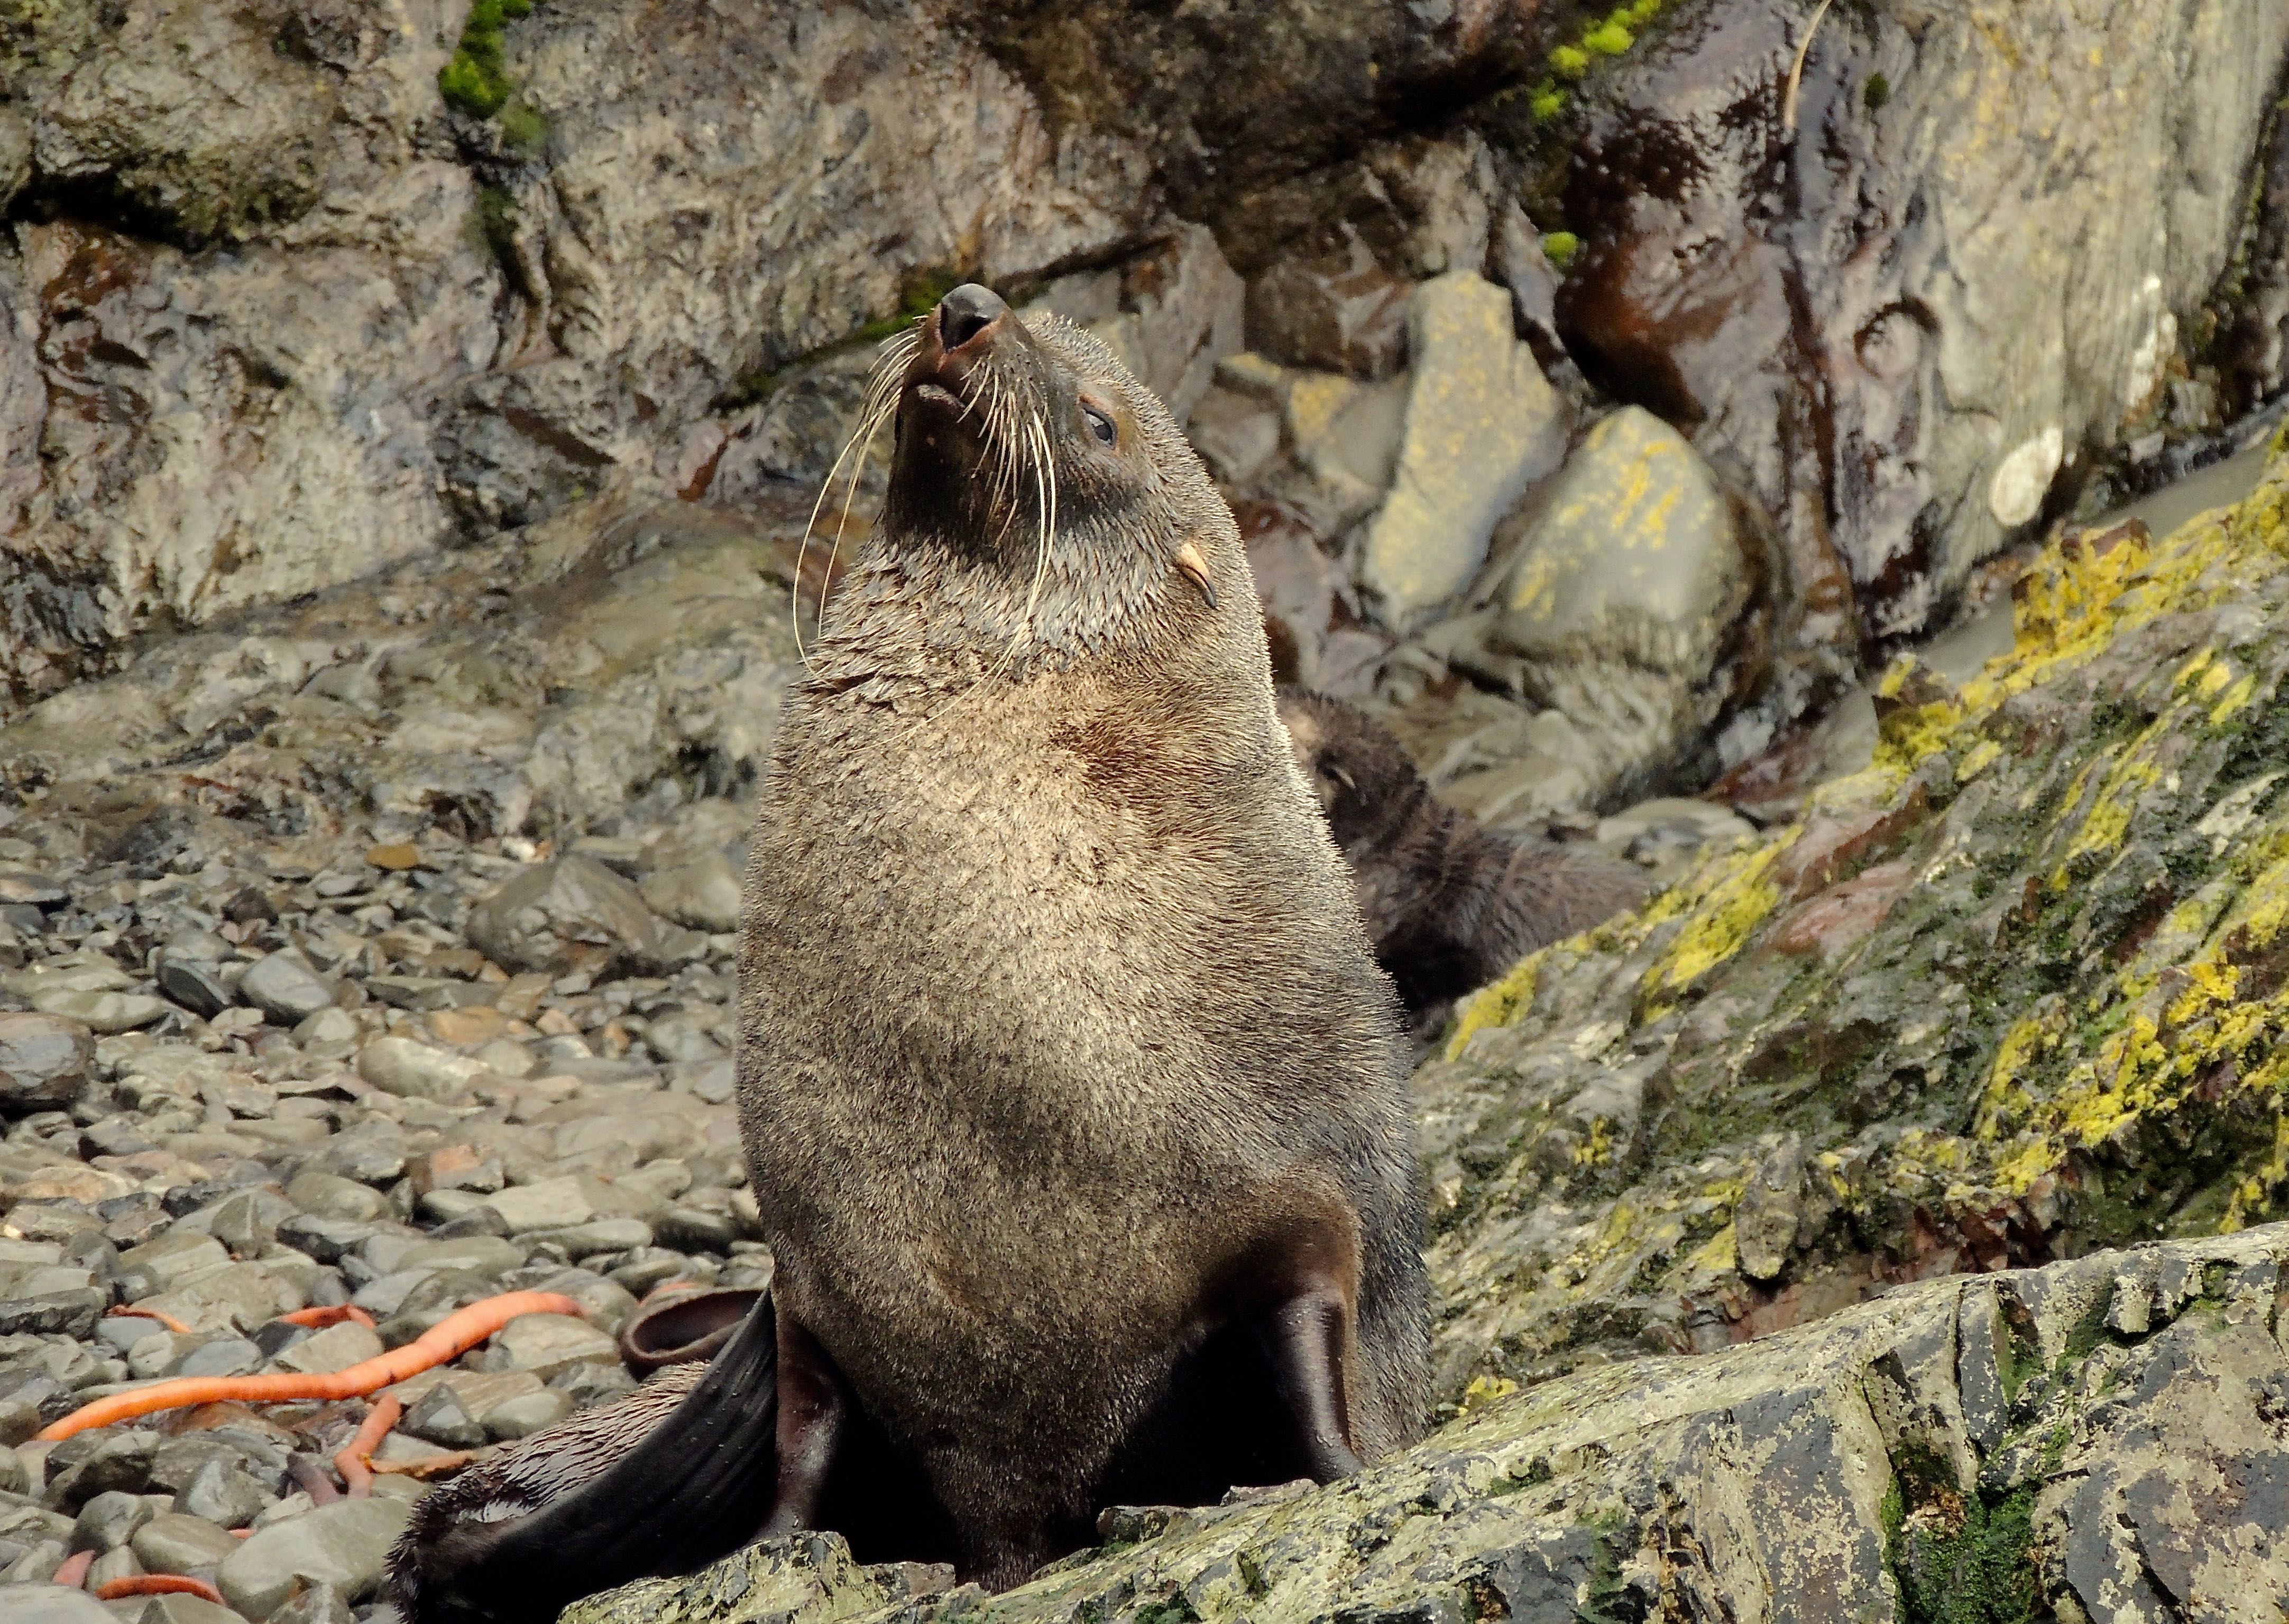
{"points": [[1045, 490], [870, 427], [877, 406]]}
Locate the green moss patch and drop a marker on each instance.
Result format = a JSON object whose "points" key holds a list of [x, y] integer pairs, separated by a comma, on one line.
{"points": [[477, 79]]}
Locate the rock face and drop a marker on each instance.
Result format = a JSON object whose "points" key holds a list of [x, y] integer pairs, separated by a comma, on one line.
{"points": [[2000, 326], [2100, 1435], [1996, 999], [285, 318]]}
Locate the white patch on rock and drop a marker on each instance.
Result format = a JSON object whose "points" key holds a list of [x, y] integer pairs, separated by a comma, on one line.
{"points": [[2016, 494]]}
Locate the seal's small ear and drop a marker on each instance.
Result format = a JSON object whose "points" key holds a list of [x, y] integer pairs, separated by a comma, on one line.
{"points": [[1189, 560]]}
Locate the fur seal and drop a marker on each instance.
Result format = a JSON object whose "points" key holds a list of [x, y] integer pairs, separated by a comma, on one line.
{"points": [[1448, 905], [1072, 1095]]}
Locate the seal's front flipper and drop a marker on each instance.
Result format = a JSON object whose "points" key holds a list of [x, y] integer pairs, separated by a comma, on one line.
{"points": [[813, 1407], [648, 1486], [1307, 1338]]}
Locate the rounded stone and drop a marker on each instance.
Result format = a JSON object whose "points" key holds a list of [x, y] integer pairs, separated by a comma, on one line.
{"points": [[343, 1544], [286, 990], [44, 1061]]}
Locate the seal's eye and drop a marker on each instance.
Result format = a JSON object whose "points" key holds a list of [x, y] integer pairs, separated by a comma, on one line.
{"points": [[1100, 425]]}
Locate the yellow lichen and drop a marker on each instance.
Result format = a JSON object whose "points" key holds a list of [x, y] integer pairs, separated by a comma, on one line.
{"points": [[1720, 1253], [1496, 1005], [1737, 898]]}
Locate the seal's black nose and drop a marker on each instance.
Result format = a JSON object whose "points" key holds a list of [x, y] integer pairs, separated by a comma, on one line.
{"points": [[966, 312]]}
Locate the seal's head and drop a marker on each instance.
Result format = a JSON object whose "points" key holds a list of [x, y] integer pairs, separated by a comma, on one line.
{"points": [[1040, 498]]}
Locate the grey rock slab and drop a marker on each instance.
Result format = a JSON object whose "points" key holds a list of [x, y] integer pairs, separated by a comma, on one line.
{"points": [[282, 986], [43, 1061], [343, 1544], [176, 1542], [1481, 423], [572, 913]]}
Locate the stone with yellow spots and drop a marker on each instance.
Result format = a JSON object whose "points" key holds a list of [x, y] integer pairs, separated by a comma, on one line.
{"points": [[1632, 557], [1481, 423]]}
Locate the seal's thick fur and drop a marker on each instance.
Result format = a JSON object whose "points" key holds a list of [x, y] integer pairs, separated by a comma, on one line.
{"points": [[1064, 1055]]}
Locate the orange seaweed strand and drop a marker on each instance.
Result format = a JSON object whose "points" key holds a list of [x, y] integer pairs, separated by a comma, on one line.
{"points": [[157, 1584], [449, 1338]]}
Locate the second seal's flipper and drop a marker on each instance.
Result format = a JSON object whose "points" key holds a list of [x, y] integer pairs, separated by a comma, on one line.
{"points": [[651, 1485]]}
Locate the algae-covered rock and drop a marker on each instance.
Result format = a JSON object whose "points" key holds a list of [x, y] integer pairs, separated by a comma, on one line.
{"points": [[2010, 993], [1967, 1448]]}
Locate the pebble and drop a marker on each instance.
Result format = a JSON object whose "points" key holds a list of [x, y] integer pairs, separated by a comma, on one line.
{"points": [[343, 1544], [324, 1195], [600, 1235], [286, 988], [335, 1347], [179, 1609], [40, 1603], [548, 1344], [224, 1356], [703, 893], [442, 1418], [177, 1542], [101, 1012], [526, 1414], [318, 1604], [451, 1135], [199, 988], [108, 1521], [44, 1061], [416, 1071]]}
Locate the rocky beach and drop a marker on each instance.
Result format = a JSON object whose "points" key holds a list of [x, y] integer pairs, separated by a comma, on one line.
{"points": [[1699, 431]]}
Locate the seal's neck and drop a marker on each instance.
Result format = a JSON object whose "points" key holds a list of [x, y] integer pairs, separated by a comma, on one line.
{"points": [[916, 612]]}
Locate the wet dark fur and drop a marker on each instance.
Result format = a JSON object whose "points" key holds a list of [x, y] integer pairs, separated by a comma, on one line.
{"points": [[1449, 905]]}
